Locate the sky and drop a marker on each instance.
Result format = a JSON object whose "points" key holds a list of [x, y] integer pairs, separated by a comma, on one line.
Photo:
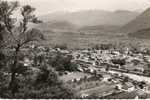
{"points": [[48, 6]]}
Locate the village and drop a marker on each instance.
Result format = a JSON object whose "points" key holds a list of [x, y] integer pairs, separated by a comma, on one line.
{"points": [[109, 73], [74, 49]]}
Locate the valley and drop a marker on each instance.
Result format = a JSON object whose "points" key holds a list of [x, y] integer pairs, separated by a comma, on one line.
{"points": [[74, 50]]}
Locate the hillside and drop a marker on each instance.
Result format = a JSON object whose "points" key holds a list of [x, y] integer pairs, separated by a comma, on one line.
{"points": [[100, 28], [142, 34], [139, 23], [56, 25], [84, 28], [92, 17]]}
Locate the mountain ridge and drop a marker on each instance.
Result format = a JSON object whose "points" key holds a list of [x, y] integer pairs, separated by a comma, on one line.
{"points": [[92, 17], [139, 23]]}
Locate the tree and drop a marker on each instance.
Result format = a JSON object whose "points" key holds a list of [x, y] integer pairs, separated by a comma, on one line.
{"points": [[126, 79], [1, 54], [142, 84], [45, 86], [18, 32], [121, 62], [63, 63]]}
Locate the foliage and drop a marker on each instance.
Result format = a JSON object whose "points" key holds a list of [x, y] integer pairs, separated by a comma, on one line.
{"points": [[104, 46], [37, 85], [16, 36], [46, 85], [119, 61], [61, 46], [16, 79], [63, 63]]}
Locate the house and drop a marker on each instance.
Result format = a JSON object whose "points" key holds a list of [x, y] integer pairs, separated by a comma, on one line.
{"points": [[27, 62], [115, 52], [139, 69], [147, 58], [141, 94], [147, 88], [119, 86], [106, 77], [129, 66], [84, 95], [64, 51], [137, 94], [80, 69], [103, 69], [128, 87]]}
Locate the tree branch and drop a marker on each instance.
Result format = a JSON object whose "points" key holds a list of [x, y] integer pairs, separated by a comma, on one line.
{"points": [[9, 30]]}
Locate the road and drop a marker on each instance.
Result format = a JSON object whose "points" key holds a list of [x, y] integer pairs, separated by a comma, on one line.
{"points": [[134, 76]]}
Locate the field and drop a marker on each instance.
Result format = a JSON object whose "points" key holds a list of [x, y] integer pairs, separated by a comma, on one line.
{"points": [[103, 88], [74, 75], [86, 40], [133, 76]]}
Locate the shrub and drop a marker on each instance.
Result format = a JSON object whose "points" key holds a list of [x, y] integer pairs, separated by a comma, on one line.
{"points": [[119, 61], [61, 46], [63, 63]]}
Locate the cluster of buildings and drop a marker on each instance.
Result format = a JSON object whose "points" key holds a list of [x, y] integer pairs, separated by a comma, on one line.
{"points": [[99, 63], [127, 61]]}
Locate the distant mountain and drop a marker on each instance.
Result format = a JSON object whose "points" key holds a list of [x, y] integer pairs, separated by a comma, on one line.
{"points": [[142, 34], [139, 23], [92, 17]]}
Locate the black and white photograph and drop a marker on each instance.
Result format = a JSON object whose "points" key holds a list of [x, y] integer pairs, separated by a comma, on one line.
{"points": [[75, 49]]}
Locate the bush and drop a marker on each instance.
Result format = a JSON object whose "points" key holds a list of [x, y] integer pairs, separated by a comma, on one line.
{"points": [[39, 85], [63, 63], [119, 61], [61, 46]]}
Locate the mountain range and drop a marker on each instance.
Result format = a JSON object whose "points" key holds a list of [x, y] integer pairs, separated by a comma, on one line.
{"points": [[134, 23], [94, 26], [141, 34], [139, 27], [139, 23], [91, 17]]}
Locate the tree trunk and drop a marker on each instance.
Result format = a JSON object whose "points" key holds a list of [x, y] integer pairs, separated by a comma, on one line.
{"points": [[13, 83]]}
